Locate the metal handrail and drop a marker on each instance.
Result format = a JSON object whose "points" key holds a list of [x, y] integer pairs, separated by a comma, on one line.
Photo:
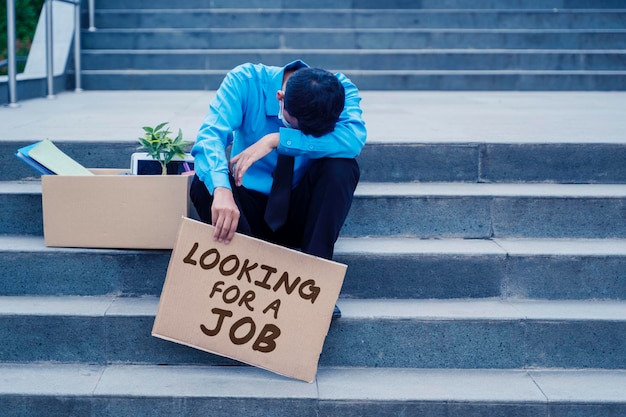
{"points": [[12, 67], [77, 63], [77, 45], [92, 16], [49, 50], [11, 53]]}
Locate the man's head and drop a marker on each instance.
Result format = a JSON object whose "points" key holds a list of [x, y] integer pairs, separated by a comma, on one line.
{"points": [[315, 98]]}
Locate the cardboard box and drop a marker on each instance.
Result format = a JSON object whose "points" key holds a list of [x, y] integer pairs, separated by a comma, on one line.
{"points": [[250, 300], [112, 210]]}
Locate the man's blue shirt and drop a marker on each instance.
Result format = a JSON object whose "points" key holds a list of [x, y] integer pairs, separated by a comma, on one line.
{"points": [[245, 109]]}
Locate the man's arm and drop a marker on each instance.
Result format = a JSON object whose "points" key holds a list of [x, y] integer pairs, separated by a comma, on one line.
{"points": [[215, 134], [346, 141], [240, 163], [210, 162]]}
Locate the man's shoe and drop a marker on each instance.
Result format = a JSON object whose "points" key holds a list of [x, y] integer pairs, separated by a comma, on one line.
{"points": [[336, 313]]}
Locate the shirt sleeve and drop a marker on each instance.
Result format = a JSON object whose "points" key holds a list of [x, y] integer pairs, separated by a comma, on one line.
{"points": [[346, 141], [216, 132]]}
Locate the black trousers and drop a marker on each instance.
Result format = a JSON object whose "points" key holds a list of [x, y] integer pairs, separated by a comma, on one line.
{"points": [[318, 207]]}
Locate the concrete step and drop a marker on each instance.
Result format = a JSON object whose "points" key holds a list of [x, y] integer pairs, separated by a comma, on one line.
{"points": [[378, 268], [360, 18], [364, 4], [487, 210], [159, 391], [358, 59], [513, 162], [428, 210], [436, 160], [448, 268], [375, 80], [312, 38], [472, 46], [469, 334]]}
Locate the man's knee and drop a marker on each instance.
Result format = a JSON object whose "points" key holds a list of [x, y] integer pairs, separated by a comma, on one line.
{"points": [[342, 172]]}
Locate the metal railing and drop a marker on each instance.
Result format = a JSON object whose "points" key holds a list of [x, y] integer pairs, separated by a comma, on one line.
{"points": [[11, 53], [92, 15], [11, 39]]}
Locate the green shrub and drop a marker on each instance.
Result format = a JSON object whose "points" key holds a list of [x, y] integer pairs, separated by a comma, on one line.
{"points": [[26, 17]]}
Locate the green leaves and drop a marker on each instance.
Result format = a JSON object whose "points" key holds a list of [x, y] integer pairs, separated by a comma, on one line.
{"points": [[157, 142], [26, 17]]}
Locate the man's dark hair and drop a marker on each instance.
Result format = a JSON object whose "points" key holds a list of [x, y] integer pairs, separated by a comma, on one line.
{"points": [[316, 98]]}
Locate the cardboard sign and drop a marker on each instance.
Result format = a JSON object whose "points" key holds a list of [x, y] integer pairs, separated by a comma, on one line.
{"points": [[250, 300]]}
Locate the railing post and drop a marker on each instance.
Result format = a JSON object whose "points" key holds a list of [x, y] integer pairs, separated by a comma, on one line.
{"points": [[11, 53], [92, 16], [77, 63], [49, 50]]}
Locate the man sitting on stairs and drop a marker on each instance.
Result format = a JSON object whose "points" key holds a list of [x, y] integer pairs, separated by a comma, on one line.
{"points": [[295, 133]]}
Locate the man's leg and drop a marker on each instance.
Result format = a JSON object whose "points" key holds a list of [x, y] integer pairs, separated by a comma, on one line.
{"points": [[320, 205], [323, 200], [201, 199]]}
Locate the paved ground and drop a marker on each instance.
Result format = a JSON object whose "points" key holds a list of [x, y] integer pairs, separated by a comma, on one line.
{"points": [[390, 116]]}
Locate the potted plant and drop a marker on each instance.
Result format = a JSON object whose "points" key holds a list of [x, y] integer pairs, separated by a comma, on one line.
{"points": [[160, 146]]}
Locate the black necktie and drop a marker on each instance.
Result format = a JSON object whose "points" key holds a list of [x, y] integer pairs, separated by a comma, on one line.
{"points": [[278, 201]]}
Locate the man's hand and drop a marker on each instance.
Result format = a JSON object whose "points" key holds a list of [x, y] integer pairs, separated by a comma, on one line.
{"points": [[240, 163], [224, 211], [225, 215]]}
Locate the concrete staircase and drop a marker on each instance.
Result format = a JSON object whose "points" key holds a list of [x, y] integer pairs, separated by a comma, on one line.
{"points": [[484, 279], [390, 45]]}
